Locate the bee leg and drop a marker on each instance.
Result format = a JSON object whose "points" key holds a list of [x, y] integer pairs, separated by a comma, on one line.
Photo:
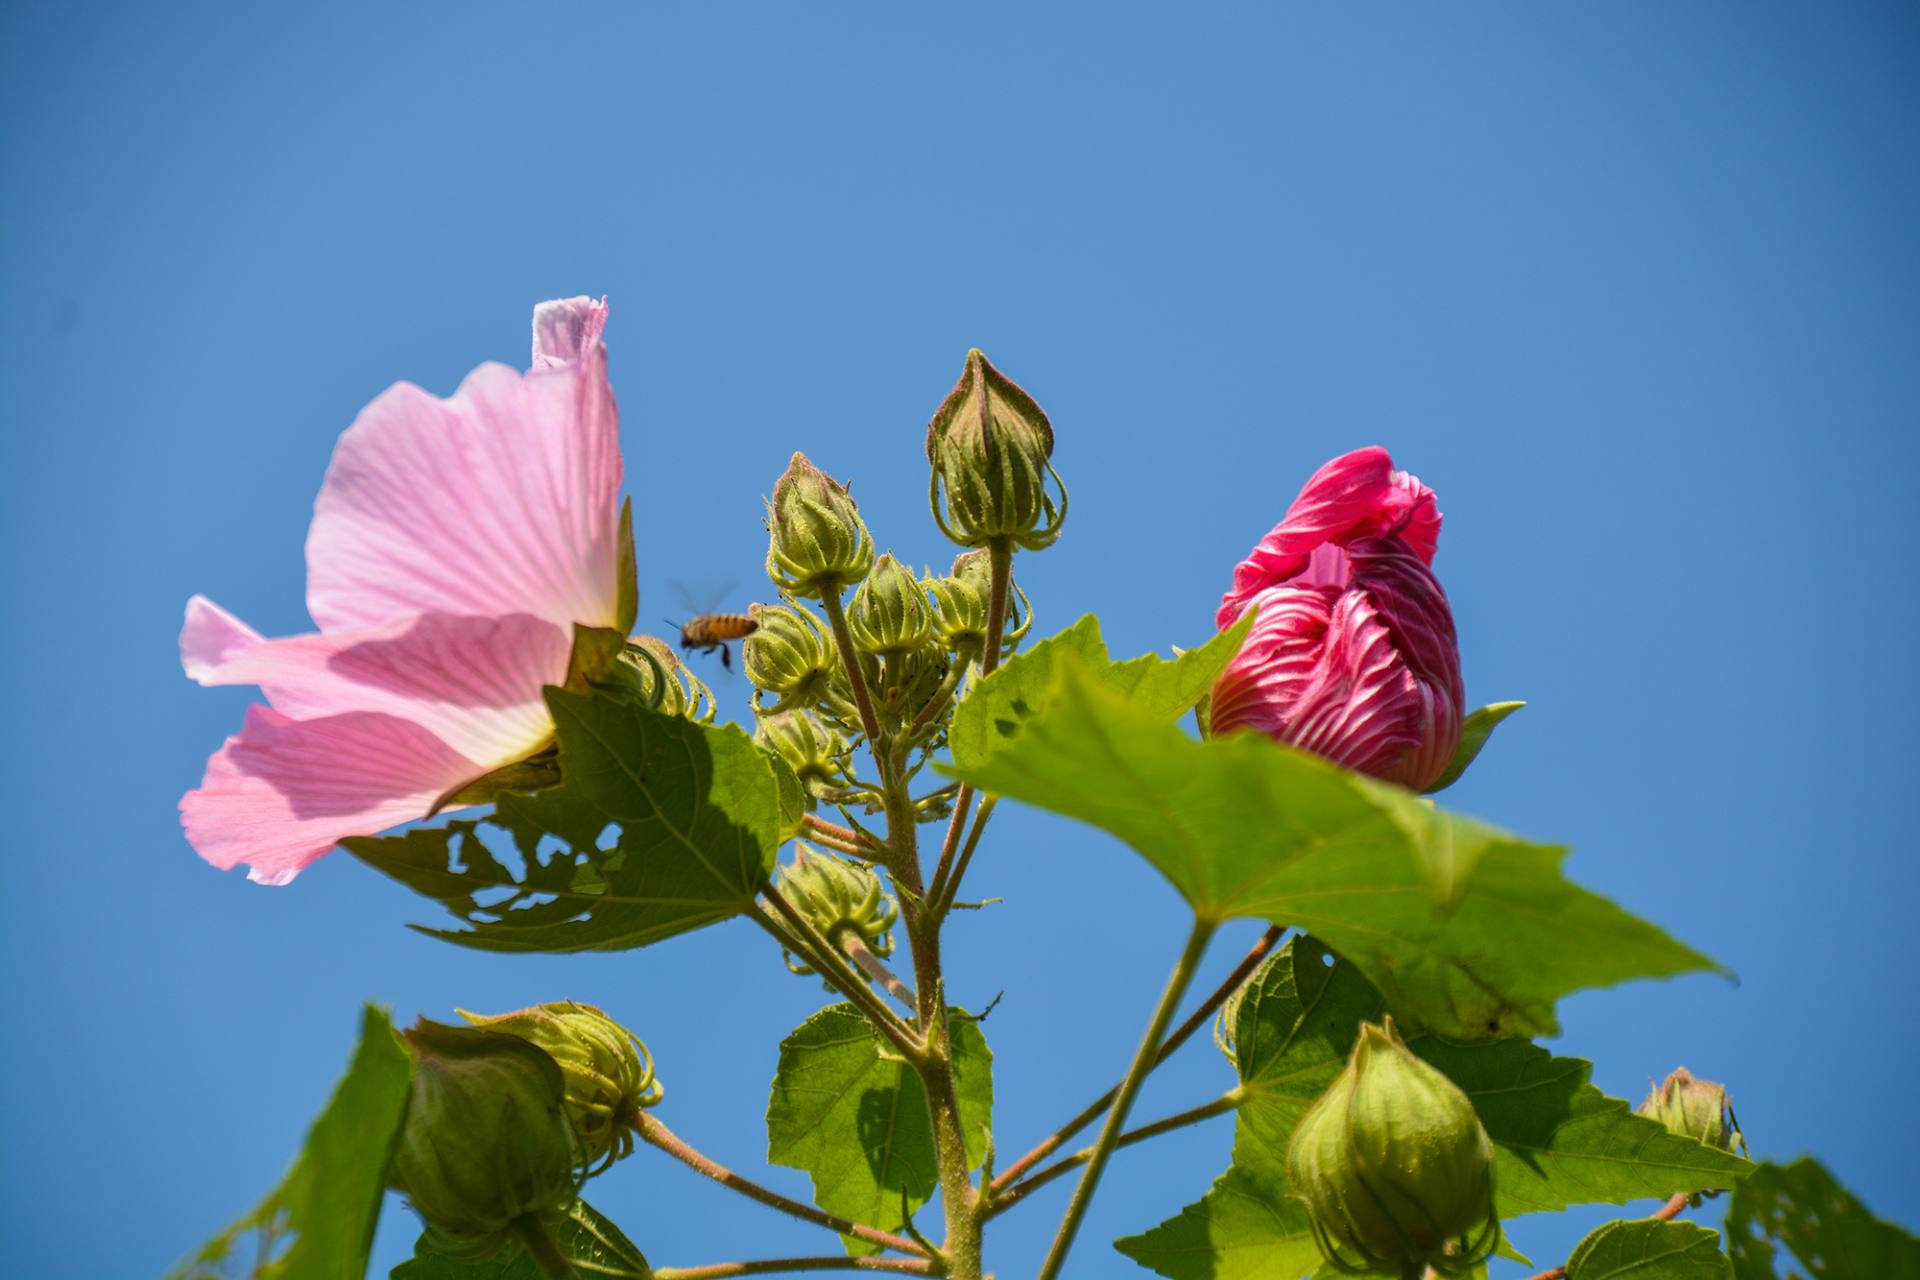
{"points": [[726, 658]]}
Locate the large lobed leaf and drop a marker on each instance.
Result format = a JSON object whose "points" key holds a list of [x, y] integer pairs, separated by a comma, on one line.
{"points": [[1470, 931], [318, 1223], [1649, 1249], [853, 1115], [992, 713], [659, 825], [1558, 1140], [1831, 1235], [597, 1249]]}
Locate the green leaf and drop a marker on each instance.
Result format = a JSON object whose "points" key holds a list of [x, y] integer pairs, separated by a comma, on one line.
{"points": [[853, 1115], [1557, 1140], [991, 714], [659, 826], [1479, 726], [1829, 1233], [1470, 931], [318, 1223], [1245, 1228], [626, 572], [596, 1248], [1648, 1249]]}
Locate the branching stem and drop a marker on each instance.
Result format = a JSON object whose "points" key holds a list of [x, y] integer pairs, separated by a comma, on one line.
{"points": [[850, 662], [1143, 1062], [657, 1134], [1181, 1034], [1220, 1106], [874, 967], [819, 954], [773, 1266]]}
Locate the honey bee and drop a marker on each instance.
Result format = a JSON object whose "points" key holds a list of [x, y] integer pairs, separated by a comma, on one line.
{"points": [[712, 631]]}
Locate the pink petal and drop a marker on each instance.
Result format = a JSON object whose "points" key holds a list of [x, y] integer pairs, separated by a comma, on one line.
{"points": [[1357, 494], [475, 684], [210, 637], [502, 499], [567, 330], [282, 792], [1275, 664]]}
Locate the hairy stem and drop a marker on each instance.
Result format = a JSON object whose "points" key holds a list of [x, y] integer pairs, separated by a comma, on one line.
{"points": [[836, 837], [943, 899], [773, 1266], [862, 955], [819, 954], [850, 662], [658, 1135], [1220, 1106], [1143, 1060], [1666, 1213], [1181, 1034], [541, 1249]]}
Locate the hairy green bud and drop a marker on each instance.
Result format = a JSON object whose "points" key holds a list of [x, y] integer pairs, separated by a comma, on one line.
{"points": [[817, 542], [665, 683], [991, 448], [890, 614], [487, 1138], [961, 601], [839, 896], [608, 1071], [816, 753], [791, 655], [1694, 1108], [1393, 1164]]}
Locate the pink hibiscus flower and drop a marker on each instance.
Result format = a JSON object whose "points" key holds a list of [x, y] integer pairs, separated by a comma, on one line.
{"points": [[1353, 655], [454, 545]]}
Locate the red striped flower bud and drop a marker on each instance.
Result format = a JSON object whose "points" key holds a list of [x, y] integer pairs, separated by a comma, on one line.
{"points": [[1353, 655]]}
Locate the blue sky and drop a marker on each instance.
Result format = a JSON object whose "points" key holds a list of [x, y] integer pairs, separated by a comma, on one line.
{"points": [[1635, 287]]}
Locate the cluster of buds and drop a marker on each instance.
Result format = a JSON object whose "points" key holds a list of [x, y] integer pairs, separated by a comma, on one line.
{"points": [[841, 898], [510, 1115], [1694, 1108], [961, 602], [1394, 1166]]}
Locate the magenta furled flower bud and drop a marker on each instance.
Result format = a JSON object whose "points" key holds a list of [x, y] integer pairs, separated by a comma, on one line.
{"points": [[1353, 655]]}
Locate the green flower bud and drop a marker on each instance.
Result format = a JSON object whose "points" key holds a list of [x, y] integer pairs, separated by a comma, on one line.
{"points": [[1393, 1164], [908, 681], [960, 607], [818, 544], [663, 682], [487, 1138], [818, 755], [791, 656], [1694, 1108], [607, 1071], [889, 614], [838, 896], [991, 447]]}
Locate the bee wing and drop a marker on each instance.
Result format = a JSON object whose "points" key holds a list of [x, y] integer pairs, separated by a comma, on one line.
{"points": [[702, 598]]}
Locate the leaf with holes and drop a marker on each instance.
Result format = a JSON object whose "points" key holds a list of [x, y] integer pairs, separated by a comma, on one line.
{"points": [[1648, 1249], [318, 1223], [1470, 931], [597, 1249], [1829, 1233], [854, 1116], [659, 825], [993, 711]]}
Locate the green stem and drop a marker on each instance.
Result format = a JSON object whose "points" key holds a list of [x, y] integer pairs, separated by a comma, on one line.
{"points": [[771, 1266], [870, 964], [658, 1135], [820, 955], [1181, 1034], [943, 901], [1000, 562], [850, 662], [1220, 1106], [541, 1249], [1136, 1076]]}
